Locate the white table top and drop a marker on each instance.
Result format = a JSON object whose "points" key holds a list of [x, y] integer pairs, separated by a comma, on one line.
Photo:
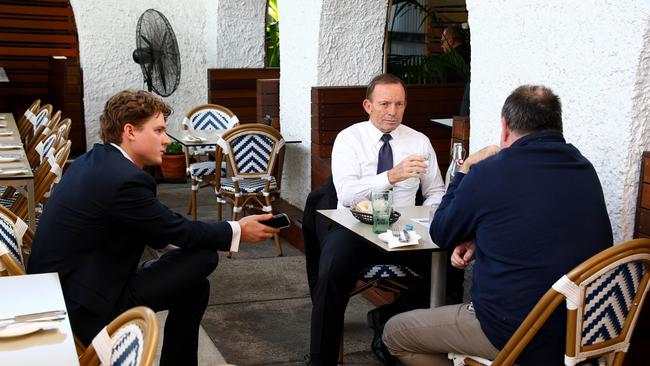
{"points": [[443, 121], [31, 294], [344, 218], [8, 124], [210, 137]]}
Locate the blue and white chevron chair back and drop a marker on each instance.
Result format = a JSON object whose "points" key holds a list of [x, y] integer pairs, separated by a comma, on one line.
{"points": [[11, 242], [33, 108], [47, 146], [63, 127], [129, 340], [607, 302], [388, 271], [251, 153], [208, 117], [128, 343], [42, 117]]}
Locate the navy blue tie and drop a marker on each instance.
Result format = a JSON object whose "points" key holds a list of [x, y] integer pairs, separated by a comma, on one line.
{"points": [[385, 161]]}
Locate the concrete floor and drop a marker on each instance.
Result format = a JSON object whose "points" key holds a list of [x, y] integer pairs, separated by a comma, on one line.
{"points": [[259, 307]]}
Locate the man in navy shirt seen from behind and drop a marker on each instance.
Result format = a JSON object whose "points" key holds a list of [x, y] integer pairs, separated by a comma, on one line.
{"points": [[528, 212]]}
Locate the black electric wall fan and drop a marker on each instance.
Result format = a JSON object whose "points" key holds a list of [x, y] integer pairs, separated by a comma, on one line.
{"points": [[157, 53]]}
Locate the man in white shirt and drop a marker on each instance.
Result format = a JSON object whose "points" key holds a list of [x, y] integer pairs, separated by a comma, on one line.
{"points": [[362, 161]]}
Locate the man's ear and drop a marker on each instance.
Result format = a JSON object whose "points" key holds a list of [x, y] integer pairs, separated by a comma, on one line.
{"points": [[505, 133], [367, 105], [128, 132]]}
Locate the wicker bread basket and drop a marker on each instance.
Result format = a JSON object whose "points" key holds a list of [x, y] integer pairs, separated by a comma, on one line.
{"points": [[366, 217]]}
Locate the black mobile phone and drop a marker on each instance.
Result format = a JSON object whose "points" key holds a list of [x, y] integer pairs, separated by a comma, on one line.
{"points": [[278, 221]]}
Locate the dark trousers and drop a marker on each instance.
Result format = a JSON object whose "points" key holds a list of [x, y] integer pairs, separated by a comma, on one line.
{"points": [[176, 282], [342, 256]]}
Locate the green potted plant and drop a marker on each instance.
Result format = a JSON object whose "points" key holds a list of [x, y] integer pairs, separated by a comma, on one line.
{"points": [[173, 162]]}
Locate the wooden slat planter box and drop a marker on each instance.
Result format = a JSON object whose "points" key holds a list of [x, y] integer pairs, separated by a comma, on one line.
{"points": [[237, 89]]}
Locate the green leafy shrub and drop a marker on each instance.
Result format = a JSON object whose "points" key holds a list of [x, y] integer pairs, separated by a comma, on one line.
{"points": [[174, 148]]}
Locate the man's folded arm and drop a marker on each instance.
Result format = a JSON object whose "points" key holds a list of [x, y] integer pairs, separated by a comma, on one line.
{"points": [[139, 210], [454, 221]]}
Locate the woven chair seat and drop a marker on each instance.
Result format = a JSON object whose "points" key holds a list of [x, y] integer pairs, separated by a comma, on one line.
{"points": [[247, 185], [203, 168], [386, 271]]}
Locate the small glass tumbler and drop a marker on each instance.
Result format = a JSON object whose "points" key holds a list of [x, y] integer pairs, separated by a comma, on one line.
{"points": [[382, 207]]}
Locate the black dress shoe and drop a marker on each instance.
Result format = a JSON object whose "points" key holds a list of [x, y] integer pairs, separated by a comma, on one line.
{"points": [[381, 351]]}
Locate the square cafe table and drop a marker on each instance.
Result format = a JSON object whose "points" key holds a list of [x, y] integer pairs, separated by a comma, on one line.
{"points": [[208, 137], [20, 180], [344, 218], [33, 294]]}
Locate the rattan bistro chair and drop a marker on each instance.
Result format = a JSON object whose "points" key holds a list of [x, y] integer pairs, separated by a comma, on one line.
{"points": [[15, 243], [252, 152], [38, 118], [603, 296], [24, 124], [48, 174], [206, 117], [130, 339]]}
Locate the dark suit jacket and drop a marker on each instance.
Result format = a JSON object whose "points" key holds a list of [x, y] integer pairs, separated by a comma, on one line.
{"points": [[97, 223]]}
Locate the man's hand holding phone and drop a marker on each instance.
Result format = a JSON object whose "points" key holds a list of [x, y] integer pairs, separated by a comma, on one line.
{"points": [[253, 229], [278, 221]]}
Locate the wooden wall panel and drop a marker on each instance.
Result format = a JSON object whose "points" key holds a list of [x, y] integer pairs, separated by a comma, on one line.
{"points": [[31, 32], [268, 100], [335, 108], [237, 90]]}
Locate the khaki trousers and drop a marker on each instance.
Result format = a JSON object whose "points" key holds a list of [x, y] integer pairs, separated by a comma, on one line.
{"points": [[425, 336]]}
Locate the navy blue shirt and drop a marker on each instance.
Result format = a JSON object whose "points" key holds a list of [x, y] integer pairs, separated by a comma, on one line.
{"points": [[536, 210]]}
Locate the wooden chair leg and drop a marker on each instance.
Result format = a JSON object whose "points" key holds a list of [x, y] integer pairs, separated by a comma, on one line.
{"points": [[278, 245], [219, 208], [193, 201]]}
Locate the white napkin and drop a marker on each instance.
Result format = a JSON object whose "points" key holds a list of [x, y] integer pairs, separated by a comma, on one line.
{"points": [[8, 159], [393, 242], [13, 171], [6, 133], [10, 146], [191, 138]]}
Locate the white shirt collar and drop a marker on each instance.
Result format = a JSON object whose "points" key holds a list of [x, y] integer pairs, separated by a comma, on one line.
{"points": [[377, 134], [123, 152]]}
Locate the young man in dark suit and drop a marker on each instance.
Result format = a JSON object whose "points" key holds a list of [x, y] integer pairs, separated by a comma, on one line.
{"points": [[104, 212]]}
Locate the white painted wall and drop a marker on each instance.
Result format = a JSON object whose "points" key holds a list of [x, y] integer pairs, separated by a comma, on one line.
{"points": [[107, 39], [322, 43], [299, 32], [225, 33], [595, 56], [239, 35], [351, 42]]}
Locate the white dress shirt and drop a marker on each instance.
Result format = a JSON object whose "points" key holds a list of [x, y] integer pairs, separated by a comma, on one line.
{"points": [[354, 165], [236, 229]]}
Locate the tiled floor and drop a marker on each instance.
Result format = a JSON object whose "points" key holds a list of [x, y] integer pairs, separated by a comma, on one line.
{"points": [[259, 307]]}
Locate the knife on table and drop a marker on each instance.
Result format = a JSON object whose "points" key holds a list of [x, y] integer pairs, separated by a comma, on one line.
{"points": [[34, 316]]}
